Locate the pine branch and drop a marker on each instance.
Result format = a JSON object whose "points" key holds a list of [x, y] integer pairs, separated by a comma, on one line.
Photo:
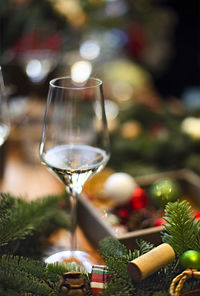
{"points": [[116, 256], [59, 268], [161, 293], [191, 285], [181, 231], [160, 280], [144, 247], [21, 219], [7, 202], [25, 275], [22, 222], [110, 247], [7, 292]]}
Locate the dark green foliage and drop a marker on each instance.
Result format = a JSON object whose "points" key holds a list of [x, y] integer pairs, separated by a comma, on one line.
{"points": [[144, 247], [21, 275], [117, 257], [33, 220], [182, 231], [25, 275], [24, 226], [160, 131], [55, 269], [192, 285], [161, 293]]}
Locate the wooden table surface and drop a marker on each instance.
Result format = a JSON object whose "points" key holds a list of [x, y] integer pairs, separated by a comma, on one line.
{"points": [[23, 174]]}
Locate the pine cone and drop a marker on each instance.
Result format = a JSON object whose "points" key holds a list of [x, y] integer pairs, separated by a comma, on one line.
{"points": [[73, 283], [140, 219]]}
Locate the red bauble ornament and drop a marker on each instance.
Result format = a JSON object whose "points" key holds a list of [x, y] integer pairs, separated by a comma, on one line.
{"points": [[123, 213], [196, 215], [159, 222], [139, 199]]}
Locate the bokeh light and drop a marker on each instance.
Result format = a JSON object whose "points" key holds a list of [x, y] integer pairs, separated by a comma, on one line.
{"points": [[90, 49], [34, 69], [111, 109], [81, 71]]}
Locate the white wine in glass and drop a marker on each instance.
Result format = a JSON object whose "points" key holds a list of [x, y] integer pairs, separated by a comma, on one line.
{"points": [[74, 144]]}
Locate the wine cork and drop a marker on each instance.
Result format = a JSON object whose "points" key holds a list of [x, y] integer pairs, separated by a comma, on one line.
{"points": [[145, 265]]}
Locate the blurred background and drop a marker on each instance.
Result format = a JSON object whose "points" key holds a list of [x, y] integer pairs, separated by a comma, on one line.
{"points": [[147, 52]]}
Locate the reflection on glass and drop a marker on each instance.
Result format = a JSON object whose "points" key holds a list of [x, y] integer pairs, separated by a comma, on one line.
{"points": [[4, 117]]}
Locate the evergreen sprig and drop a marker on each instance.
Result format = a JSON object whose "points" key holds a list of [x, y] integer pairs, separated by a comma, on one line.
{"points": [[23, 227], [20, 219], [182, 231], [117, 257], [24, 275]]}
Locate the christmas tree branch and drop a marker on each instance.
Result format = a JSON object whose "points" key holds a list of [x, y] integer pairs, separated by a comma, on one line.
{"points": [[25, 275], [20, 219], [182, 231]]}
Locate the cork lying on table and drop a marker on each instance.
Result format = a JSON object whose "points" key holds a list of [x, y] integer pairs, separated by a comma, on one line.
{"points": [[145, 265]]}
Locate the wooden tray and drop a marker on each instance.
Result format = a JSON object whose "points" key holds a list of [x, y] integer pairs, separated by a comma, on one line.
{"points": [[96, 228]]}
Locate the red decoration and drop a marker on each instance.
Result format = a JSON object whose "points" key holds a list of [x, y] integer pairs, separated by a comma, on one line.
{"points": [[37, 41], [139, 199], [159, 222], [197, 215], [99, 279], [136, 39], [123, 213]]}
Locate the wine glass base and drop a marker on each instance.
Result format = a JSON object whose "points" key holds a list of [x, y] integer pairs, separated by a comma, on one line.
{"points": [[77, 257]]}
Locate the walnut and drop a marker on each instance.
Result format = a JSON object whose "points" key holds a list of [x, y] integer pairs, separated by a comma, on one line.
{"points": [[73, 283]]}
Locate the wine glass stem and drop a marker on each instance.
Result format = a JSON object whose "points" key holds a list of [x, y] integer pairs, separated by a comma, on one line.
{"points": [[73, 220]]}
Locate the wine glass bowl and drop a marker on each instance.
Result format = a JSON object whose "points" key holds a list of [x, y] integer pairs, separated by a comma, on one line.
{"points": [[75, 142]]}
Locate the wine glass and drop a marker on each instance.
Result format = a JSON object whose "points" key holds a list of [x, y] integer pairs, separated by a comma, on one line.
{"points": [[74, 144], [4, 117], [4, 126]]}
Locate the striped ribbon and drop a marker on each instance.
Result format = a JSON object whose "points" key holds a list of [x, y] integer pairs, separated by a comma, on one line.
{"points": [[99, 278]]}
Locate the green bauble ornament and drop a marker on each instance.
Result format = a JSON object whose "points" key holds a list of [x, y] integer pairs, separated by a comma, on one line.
{"points": [[190, 259], [164, 191]]}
